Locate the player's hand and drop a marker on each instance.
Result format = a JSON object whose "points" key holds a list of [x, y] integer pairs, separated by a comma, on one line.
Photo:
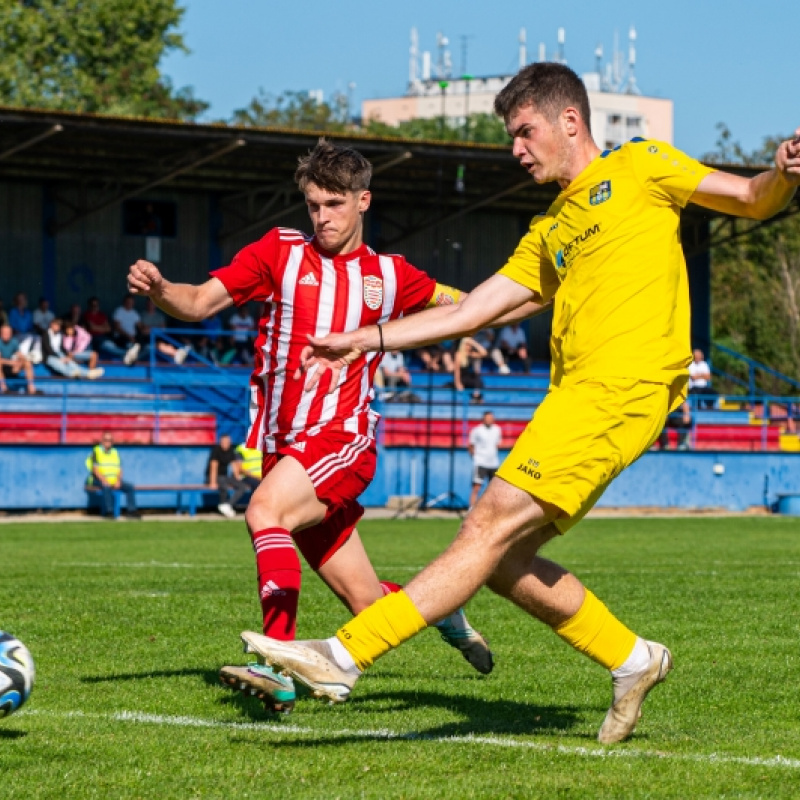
{"points": [[329, 353], [145, 278], [787, 159]]}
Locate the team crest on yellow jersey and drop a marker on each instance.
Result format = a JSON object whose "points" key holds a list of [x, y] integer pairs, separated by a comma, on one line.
{"points": [[373, 292], [600, 193]]}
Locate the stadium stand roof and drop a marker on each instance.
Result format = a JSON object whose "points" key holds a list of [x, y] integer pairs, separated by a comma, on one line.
{"points": [[252, 168]]}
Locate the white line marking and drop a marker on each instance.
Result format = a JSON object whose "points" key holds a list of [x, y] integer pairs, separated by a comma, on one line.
{"points": [[382, 733]]}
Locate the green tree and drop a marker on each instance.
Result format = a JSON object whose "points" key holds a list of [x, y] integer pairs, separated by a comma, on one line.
{"points": [[296, 110], [755, 284], [481, 129], [96, 56]]}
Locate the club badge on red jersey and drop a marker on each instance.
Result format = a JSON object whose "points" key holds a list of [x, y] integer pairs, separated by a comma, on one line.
{"points": [[373, 292]]}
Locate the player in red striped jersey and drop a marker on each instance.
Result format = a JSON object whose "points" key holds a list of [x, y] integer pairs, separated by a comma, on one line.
{"points": [[319, 446]]}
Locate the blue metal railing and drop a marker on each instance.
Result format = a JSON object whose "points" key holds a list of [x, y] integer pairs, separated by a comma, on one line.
{"points": [[753, 368]]}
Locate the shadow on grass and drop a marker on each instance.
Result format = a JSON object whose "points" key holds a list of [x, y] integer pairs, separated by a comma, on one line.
{"points": [[479, 717], [6, 734], [209, 676]]}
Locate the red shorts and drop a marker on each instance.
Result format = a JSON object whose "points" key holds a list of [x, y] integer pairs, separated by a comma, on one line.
{"points": [[341, 465]]}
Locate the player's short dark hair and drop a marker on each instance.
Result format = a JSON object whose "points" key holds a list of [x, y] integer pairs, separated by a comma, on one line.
{"points": [[334, 168], [548, 87]]}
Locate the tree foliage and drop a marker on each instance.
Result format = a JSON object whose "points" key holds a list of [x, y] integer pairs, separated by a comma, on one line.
{"points": [[296, 110], [755, 286], [93, 56], [300, 111]]}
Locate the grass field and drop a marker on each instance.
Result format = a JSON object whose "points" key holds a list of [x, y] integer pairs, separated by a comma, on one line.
{"points": [[129, 623]]}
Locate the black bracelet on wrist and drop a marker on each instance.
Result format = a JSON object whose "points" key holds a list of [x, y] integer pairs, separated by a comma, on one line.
{"points": [[380, 335]]}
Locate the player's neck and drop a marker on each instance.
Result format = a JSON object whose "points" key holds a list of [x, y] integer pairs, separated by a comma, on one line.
{"points": [[584, 153]]}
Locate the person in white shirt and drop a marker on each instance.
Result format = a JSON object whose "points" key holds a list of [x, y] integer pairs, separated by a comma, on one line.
{"points": [[484, 443], [43, 316], [513, 344], [700, 378], [243, 326], [393, 374]]}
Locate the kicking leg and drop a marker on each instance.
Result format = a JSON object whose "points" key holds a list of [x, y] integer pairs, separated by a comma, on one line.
{"points": [[553, 595]]}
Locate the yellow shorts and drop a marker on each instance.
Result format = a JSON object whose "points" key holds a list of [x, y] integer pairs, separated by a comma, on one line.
{"points": [[581, 437]]}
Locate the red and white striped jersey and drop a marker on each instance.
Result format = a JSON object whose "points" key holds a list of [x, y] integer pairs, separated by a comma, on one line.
{"points": [[307, 291]]}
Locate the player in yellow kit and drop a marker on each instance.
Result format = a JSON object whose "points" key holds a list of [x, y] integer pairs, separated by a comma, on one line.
{"points": [[607, 252]]}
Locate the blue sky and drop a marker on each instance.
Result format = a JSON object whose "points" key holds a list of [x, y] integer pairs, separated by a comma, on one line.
{"points": [[718, 60]]}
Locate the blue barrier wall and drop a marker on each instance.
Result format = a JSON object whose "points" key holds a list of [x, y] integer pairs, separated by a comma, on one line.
{"points": [[53, 477]]}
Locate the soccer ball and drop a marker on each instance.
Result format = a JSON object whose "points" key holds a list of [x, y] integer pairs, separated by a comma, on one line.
{"points": [[16, 674]]}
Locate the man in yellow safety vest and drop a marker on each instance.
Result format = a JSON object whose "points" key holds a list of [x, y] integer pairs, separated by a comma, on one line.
{"points": [[247, 466], [105, 475]]}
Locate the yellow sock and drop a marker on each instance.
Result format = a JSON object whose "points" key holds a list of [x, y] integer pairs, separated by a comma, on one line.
{"points": [[597, 633], [387, 623]]}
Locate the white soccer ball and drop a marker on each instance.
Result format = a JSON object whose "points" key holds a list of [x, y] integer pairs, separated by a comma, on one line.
{"points": [[16, 674]]}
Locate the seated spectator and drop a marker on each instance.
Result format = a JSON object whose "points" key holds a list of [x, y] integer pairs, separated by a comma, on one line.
{"points": [[395, 374], [60, 361], [43, 316], [466, 371], [124, 321], [247, 467], [700, 380], [681, 421], [220, 476], [75, 314], [437, 357], [20, 317], [243, 326], [12, 361], [96, 323], [513, 344], [154, 317], [485, 339], [3, 314], [76, 342], [105, 474]]}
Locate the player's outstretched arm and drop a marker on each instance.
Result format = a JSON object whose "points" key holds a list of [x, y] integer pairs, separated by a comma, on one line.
{"points": [[759, 197], [180, 300], [483, 306]]}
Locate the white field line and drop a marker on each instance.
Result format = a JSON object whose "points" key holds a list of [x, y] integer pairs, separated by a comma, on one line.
{"points": [[384, 734]]}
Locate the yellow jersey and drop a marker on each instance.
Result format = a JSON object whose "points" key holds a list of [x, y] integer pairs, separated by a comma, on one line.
{"points": [[608, 251]]}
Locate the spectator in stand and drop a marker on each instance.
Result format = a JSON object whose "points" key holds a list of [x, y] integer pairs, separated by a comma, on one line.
{"points": [[248, 466], [3, 314], [700, 379], [393, 374], [43, 316], [125, 322], [466, 371], [96, 323], [12, 361], [679, 420], [486, 339], [76, 343], [513, 344], [75, 315], [437, 357], [58, 360], [220, 476], [483, 447], [105, 475], [243, 326], [154, 317], [20, 317]]}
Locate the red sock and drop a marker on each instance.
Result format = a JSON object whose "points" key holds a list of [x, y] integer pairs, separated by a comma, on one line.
{"points": [[278, 581], [390, 588]]}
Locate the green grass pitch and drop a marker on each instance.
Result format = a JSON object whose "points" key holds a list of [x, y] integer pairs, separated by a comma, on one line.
{"points": [[129, 622]]}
